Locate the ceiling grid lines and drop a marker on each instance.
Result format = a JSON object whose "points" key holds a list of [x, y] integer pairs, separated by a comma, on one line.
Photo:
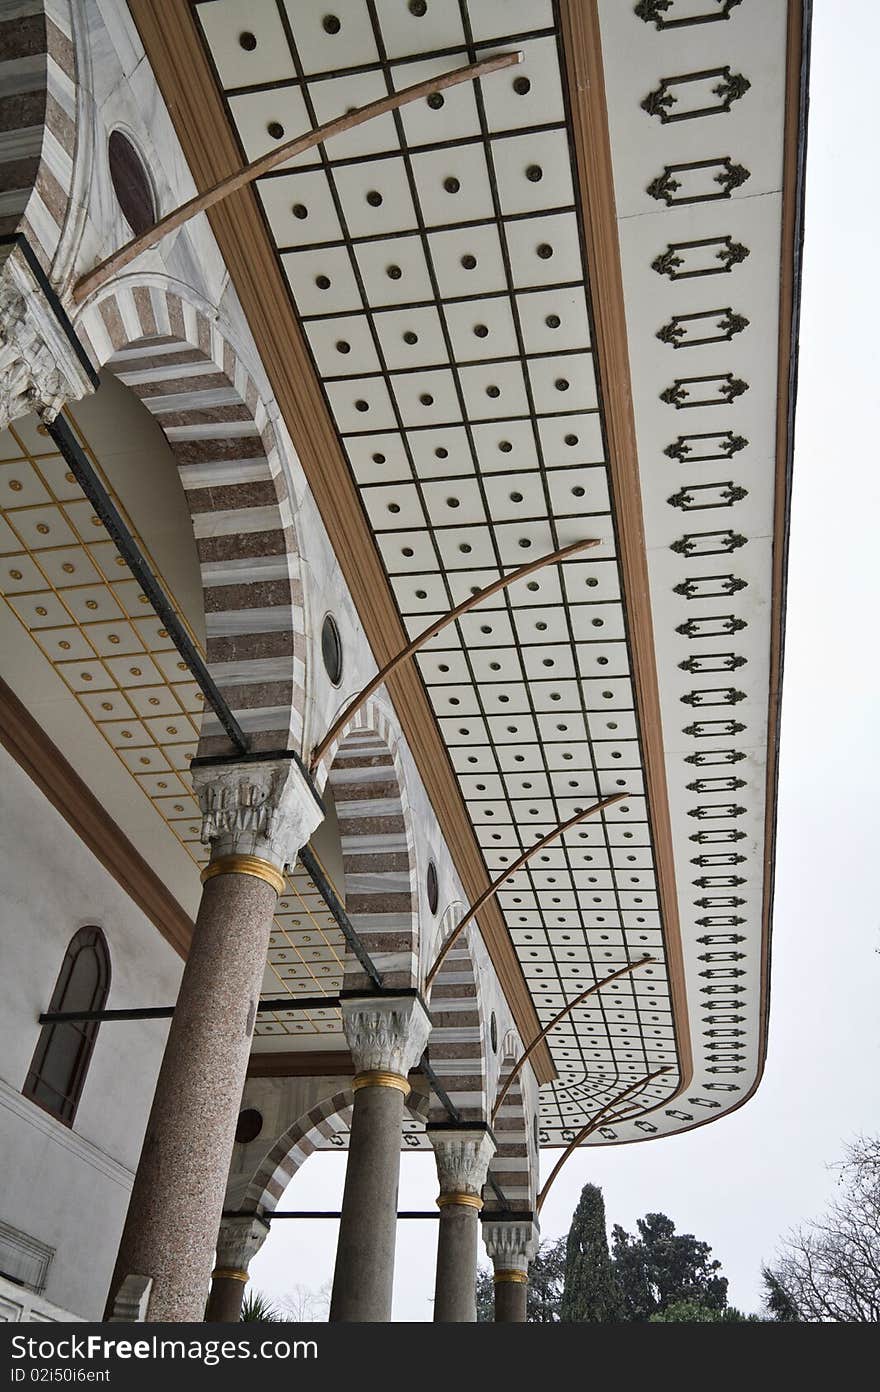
{"points": [[484, 403], [594, 1077]]}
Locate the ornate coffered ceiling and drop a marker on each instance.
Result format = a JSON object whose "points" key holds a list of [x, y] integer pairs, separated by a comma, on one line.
{"points": [[522, 341]]}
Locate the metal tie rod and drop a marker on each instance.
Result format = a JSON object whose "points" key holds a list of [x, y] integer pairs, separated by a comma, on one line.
{"points": [[164, 1012], [335, 1213]]}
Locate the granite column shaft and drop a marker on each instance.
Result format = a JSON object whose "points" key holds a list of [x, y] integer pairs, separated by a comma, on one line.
{"points": [[462, 1152], [386, 1036], [255, 818]]}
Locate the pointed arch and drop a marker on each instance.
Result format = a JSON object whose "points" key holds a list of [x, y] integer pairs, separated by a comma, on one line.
{"points": [[457, 1047], [191, 379], [378, 851], [325, 1125], [514, 1166], [328, 1121], [38, 71]]}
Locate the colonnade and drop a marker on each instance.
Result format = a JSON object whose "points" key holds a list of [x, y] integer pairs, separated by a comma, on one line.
{"points": [[256, 817]]}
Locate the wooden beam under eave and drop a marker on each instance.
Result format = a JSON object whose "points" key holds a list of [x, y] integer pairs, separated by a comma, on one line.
{"points": [[174, 49], [299, 1063]]}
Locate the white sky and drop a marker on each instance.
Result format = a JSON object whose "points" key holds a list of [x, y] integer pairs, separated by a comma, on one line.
{"points": [[740, 1183]]}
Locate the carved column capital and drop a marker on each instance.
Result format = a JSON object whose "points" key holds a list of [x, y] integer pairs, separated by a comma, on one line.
{"points": [[511, 1242], [386, 1034], [462, 1154], [267, 810], [39, 366], [240, 1238]]}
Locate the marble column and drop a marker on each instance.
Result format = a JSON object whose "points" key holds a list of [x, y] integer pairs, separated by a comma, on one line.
{"points": [[255, 817], [386, 1035], [511, 1242], [462, 1152], [240, 1238]]}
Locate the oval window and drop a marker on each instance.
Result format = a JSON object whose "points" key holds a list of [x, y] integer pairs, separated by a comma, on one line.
{"points": [[250, 1124], [433, 887], [493, 1033], [131, 183], [331, 649]]}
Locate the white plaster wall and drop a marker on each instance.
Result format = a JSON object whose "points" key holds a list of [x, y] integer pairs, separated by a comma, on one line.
{"points": [[68, 1187]]}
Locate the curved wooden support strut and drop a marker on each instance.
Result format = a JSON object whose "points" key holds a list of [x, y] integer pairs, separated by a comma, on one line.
{"points": [[566, 1009], [431, 632], [596, 1122], [108, 267], [511, 870]]}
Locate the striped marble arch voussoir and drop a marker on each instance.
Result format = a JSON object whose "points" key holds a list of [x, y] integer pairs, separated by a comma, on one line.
{"points": [[195, 385]]}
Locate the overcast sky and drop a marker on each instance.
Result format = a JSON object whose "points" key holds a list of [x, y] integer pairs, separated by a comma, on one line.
{"points": [[743, 1181]]}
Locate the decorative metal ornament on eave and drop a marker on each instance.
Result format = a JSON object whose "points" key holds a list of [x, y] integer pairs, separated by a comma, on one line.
{"points": [[655, 12], [673, 92], [684, 330], [712, 662], [700, 497], [708, 586], [703, 628], [726, 389], [728, 445], [727, 784], [705, 729], [693, 181], [713, 696], [728, 254], [708, 544], [706, 758]]}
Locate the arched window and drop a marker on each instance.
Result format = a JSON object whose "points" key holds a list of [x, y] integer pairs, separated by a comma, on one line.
{"points": [[61, 1059]]}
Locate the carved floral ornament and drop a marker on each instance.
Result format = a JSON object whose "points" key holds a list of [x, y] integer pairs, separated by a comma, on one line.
{"points": [[510, 1244], [263, 809], [462, 1158], [385, 1036], [39, 369]]}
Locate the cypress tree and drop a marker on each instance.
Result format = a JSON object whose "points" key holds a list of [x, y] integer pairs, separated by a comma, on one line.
{"points": [[590, 1295]]}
